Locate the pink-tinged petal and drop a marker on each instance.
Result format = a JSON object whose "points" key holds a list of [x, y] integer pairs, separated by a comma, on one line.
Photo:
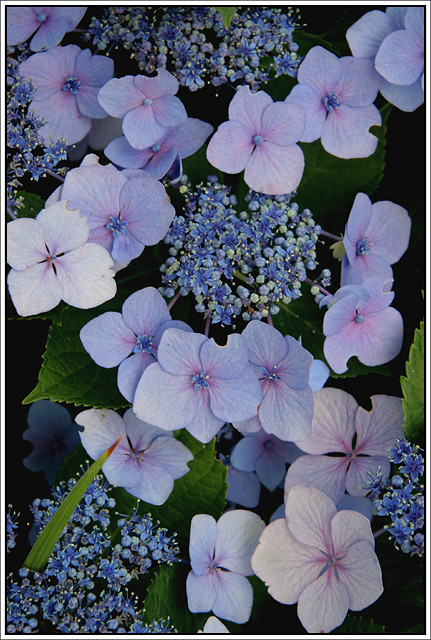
{"points": [[233, 597], [318, 472], [141, 127], [178, 352], [63, 229], [309, 513], [266, 345], [170, 455], [165, 400], [275, 170], [414, 23], [145, 310], [50, 33], [380, 295], [95, 190], [88, 103], [163, 84], [141, 434], [160, 163], [359, 83], [103, 236], [93, 70], [130, 372], [154, 484], [203, 534], [284, 564], [364, 267], [205, 425], [86, 277], [315, 112], [247, 108], [125, 248], [214, 625], [361, 470], [107, 339], [25, 243], [101, 429], [227, 361], [238, 533], [34, 290], [169, 111], [339, 348], [170, 324], [400, 59], [382, 337], [389, 230], [124, 155], [357, 224], [360, 573], [283, 123], [323, 604], [346, 132], [201, 591], [286, 412], [349, 527], [243, 488], [294, 369], [252, 425], [21, 22], [48, 69], [63, 118], [230, 147], [120, 95], [366, 35], [320, 70], [189, 136], [246, 453], [407, 98], [333, 423], [379, 428], [271, 469]]}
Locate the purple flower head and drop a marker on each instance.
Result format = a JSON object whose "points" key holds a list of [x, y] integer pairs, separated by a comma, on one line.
{"points": [[148, 106], [51, 260], [283, 368], [320, 558], [125, 214], [376, 236], [337, 95], [112, 337], [178, 142], [145, 462], [53, 434], [260, 137], [360, 323], [360, 437], [220, 554], [265, 454], [394, 42], [197, 384], [49, 23], [67, 80]]}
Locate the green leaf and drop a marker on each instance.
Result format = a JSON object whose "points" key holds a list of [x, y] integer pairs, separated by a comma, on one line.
{"points": [[226, 14], [33, 204], [42, 548], [413, 390], [202, 490], [329, 184], [354, 625], [197, 167], [68, 373], [167, 599]]}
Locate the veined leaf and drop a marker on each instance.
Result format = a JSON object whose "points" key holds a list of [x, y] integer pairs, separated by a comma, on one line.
{"points": [[226, 14], [413, 389]]}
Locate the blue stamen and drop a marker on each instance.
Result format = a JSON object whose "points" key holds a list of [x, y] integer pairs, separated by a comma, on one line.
{"points": [[359, 318], [41, 17], [148, 102], [71, 84], [155, 148], [363, 248], [144, 343], [331, 101], [117, 225], [269, 375], [258, 139], [200, 381]]}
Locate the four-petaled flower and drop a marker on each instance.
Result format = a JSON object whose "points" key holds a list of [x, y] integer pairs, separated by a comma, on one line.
{"points": [[49, 23]]}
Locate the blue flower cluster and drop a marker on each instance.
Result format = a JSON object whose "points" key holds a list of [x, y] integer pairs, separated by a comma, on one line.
{"points": [[194, 45], [27, 154], [11, 525], [402, 499], [82, 588], [268, 248]]}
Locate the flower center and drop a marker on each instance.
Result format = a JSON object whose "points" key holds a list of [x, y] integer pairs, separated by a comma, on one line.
{"points": [[200, 380], [363, 248], [41, 17], [359, 318], [148, 102], [144, 343], [268, 444], [331, 101], [71, 84], [269, 375], [117, 225], [155, 148], [258, 139]]}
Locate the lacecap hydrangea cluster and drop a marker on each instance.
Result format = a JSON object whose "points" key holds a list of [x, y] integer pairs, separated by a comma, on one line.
{"points": [[83, 586], [195, 46]]}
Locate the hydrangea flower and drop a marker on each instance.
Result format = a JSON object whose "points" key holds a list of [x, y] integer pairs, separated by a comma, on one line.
{"points": [[49, 24], [148, 106], [361, 323], [53, 435], [112, 337], [260, 137], [197, 384], [178, 142], [283, 367], [394, 42], [320, 558], [220, 554], [337, 95], [145, 463], [360, 437], [377, 235], [51, 260], [67, 80], [124, 214]]}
